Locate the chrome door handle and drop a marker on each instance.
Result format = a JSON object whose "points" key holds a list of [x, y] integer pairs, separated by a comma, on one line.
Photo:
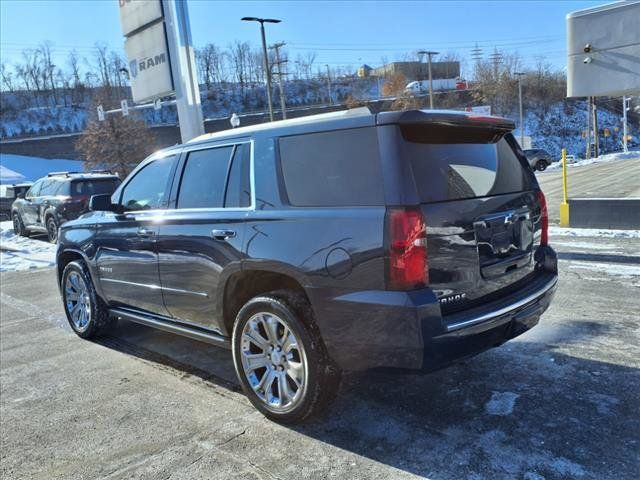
{"points": [[222, 234], [145, 232]]}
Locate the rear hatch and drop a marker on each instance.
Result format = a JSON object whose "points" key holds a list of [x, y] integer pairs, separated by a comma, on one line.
{"points": [[479, 200]]}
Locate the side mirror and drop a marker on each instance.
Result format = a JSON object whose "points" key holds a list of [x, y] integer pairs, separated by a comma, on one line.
{"points": [[102, 203]]}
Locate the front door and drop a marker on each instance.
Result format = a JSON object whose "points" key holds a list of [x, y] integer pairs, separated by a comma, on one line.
{"points": [[200, 241], [29, 205], [126, 254]]}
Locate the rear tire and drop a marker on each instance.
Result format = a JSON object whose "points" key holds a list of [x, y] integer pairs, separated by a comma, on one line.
{"points": [[280, 359], [18, 225], [541, 165], [52, 229], [86, 313]]}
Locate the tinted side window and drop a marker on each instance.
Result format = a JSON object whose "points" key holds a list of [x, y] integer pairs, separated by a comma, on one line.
{"points": [[204, 178], [340, 168], [34, 191], [147, 189], [239, 184], [49, 187]]}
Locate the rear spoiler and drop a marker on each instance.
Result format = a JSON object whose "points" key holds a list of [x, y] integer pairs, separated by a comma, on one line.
{"points": [[445, 118]]}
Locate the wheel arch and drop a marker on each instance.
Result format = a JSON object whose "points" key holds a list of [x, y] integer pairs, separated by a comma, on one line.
{"points": [[243, 285]]}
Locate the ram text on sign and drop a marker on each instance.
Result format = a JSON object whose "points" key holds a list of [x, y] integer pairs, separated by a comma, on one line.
{"points": [[149, 67]]}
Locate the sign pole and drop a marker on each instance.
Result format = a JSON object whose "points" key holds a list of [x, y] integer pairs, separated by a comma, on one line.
{"points": [[183, 69], [564, 206]]}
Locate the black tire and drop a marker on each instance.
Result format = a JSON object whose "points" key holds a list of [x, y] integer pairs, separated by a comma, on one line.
{"points": [[18, 225], [52, 229], [100, 320], [541, 165], [322, 375]]}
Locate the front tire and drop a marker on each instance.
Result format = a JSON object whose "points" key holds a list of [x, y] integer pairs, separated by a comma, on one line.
{"points": [[541, 165], [86, 312], [18, 225], [280, 359]]}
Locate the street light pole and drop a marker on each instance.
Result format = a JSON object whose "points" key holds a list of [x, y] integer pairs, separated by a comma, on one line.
{"points": [[429, 54], [279, 62], [329, 84], [519, 75], [267, 73]]}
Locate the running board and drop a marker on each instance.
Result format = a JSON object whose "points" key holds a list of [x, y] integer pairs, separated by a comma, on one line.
{"points": [[172, 327]]}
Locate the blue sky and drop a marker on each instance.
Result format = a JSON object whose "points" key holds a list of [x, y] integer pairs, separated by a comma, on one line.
{"points": [[341, 33]]}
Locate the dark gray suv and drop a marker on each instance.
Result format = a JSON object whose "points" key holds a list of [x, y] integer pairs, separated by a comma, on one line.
{"points": [[344, 241]]}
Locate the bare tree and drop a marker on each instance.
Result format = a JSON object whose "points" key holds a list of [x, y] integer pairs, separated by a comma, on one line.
{"points": [[118, 143]]}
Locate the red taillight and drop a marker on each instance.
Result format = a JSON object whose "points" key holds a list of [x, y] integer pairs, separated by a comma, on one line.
{"points": [[407, 234], [544, 219]]}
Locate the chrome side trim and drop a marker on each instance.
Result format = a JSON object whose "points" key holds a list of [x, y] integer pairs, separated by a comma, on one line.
{"points": [[502, 311], [202, 335], [156, 287]]}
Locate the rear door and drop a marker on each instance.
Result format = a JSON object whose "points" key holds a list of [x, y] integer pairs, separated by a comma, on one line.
{"points": [[479, 200], [200, 240]]}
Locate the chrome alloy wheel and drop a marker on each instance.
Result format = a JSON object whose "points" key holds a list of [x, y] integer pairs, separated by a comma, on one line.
{"points": [[273, 361], [77, 301]]}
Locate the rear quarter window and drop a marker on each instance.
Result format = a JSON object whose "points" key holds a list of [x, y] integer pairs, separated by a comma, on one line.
{"points": [[330, 169]]}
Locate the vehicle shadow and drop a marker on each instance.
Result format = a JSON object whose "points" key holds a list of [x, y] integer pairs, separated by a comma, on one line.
{"points": [[528, 409]]}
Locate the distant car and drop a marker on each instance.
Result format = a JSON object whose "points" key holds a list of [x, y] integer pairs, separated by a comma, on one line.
{"points": [[57, 198], [8, 193], [538, 159], [571, 159]]}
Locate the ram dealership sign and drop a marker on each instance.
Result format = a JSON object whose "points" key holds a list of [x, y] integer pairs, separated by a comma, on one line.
{"points": [[146, 49]]}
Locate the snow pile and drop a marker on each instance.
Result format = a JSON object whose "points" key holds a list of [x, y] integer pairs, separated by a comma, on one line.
{"points": [[609, 157], [21, 253], [592, 232]]}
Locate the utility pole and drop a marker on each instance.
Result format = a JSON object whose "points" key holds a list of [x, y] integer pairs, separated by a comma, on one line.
{"points": [[183, 69], [519, 75], [588, 152], [496, 58], [267, 73], [329, 84], [596, 140], [429, 54], [283, 106], [626, 104]]}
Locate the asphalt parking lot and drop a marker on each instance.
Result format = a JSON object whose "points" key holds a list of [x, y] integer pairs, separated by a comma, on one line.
{"points": [[559, 402]]}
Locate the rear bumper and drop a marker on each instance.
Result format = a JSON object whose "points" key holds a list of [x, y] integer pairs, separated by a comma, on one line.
{"points": [[406, 329]]}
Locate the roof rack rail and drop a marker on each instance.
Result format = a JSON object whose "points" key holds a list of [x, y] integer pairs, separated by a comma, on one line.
{"points": [[55, 174], [104, 170]]}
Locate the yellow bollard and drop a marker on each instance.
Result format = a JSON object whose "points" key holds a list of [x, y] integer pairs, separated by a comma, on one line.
{"points": [[564, 206]]}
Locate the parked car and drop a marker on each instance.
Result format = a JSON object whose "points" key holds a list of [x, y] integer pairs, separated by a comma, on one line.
{"points": [[344, 241], [538, 159], [8, 194], [57, 198]]}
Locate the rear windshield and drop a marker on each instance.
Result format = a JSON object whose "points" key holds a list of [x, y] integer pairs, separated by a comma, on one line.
{"points": [[445, 168], [91, 187]]}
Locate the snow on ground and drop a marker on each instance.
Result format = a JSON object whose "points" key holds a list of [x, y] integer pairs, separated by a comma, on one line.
{"points": [[33, 168], [22, 253], [592, 232], [609, 157]]}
